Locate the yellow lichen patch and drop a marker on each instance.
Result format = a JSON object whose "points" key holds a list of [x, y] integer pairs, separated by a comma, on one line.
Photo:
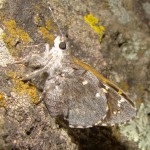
{"points": [[14, 34], [46, 31], [48, 25], [46, 34], [2, 101], [37, 7], [93, 22], [23, 36], [24, 88]]}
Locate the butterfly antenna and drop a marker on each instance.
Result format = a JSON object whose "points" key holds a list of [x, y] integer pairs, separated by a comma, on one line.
{"points": [[55, 20]]}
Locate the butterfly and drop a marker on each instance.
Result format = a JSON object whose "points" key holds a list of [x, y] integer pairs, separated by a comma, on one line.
{"points": [[78, 92]]}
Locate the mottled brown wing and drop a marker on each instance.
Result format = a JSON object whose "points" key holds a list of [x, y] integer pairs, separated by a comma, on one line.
{"points": [[120, 110], [78, 98]]}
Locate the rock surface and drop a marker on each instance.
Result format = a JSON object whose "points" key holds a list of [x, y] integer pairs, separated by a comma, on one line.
{"points": [[123, 56]]}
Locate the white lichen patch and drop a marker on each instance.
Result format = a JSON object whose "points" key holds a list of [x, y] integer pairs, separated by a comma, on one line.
{"points": [[5, 57], [119, 10], [146, 7], [139, 128], [2, 3], [138, 44]]}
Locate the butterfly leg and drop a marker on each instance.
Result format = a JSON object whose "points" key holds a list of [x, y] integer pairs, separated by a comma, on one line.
{"points": [[34, 74], [34, 61]]}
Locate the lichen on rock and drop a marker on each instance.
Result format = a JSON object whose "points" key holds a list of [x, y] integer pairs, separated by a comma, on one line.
{"points": [[5, 56], [139, 129]]}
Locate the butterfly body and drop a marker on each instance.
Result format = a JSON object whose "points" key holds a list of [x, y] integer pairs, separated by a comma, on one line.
{"points": [[75, 90]]}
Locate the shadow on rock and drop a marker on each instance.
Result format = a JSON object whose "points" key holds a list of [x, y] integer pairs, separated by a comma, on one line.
{"points": [[95, 138]]}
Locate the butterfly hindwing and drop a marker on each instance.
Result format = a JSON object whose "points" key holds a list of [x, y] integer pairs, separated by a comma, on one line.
{"points": [[79, 99], [87, 101], [53, 97], [120, 109]]}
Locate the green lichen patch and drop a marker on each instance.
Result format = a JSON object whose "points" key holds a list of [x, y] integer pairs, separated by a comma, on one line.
{"points": [[93, 22], [139, 129]]}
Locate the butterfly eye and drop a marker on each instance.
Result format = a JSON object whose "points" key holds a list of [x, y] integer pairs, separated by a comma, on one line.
{"points": [[62, 45]]}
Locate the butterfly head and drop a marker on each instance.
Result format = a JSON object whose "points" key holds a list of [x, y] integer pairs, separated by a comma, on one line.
{"points": [[61, 43], [61, 51]]}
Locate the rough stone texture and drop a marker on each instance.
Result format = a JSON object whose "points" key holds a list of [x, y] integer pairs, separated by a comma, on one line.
{"points": [[123, 56], [5, 57], [138, 130]]}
